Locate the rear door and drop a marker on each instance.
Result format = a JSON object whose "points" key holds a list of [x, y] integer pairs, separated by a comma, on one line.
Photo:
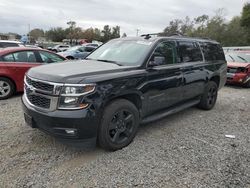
{"points": [[164, 78], [192, 67]]}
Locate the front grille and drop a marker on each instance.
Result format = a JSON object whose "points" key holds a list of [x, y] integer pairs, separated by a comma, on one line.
{"points": [[39, 101], [41, 94], [40, 85]]}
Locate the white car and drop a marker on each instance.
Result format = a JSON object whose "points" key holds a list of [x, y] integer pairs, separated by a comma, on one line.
{"points": [[60, 48], [10, 43]]}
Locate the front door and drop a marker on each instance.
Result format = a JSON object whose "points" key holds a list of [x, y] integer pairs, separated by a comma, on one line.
{"points": [[164, 78]]}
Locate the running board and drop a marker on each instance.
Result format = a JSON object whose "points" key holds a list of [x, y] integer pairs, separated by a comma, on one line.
{"points": [[170, 111]]}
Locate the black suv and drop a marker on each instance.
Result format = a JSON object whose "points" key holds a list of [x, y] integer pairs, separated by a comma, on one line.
{"points": [[124, 83]]}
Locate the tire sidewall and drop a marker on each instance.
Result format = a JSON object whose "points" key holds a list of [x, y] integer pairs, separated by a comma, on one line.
{"points": [[109, 112], [204, 101], [12, 87]]}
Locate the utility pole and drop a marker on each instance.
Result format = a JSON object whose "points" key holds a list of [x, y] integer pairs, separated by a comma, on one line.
{"points": [[28, 33], [137, 32]]}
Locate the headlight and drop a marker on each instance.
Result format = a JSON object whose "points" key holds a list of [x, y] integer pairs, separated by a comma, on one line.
{"points": [[72, 96]]}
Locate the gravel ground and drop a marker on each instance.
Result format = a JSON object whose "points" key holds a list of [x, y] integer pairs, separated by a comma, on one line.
{"points": [[187, 149]]}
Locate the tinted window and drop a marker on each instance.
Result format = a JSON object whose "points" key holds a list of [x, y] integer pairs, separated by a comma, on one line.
{"points": [[164, 53], [89, 49], [49, 57], [212, 51], [23, 56], [8, 44], [189, 52]]}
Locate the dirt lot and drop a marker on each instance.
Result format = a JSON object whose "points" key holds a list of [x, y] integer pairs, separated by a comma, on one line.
{"points": [[188, 149]]}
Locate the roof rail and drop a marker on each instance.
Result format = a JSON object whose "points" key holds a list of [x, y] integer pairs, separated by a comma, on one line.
{"points": [[149, 35], [177, 34], [207, 38]]}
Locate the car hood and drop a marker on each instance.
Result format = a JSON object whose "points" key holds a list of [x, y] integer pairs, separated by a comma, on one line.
{"points": [[76, 71], [235, 64]]}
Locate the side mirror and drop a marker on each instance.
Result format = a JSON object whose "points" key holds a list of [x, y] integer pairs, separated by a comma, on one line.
{"points": [[158, 60]]}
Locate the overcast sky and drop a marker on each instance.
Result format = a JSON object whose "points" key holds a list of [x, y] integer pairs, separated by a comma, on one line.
{"points": [[147, 15]]}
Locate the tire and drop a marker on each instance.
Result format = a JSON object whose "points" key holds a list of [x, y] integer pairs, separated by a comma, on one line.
{"points": [[247, 85], [7, 88], [119, 125], [209, 97]]}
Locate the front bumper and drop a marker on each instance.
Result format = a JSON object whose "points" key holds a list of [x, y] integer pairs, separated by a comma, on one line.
{"points": [[70, 126], [237, 78]]}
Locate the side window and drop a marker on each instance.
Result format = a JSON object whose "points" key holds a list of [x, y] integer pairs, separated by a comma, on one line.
{"points": [[163, 54], [25, 56], [49, 57], [212, 51], [8, 58], [81, 49], [89, 49], [189, 52]]}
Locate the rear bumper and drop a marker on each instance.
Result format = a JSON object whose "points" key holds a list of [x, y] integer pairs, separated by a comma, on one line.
{"points": [[74, 126]]}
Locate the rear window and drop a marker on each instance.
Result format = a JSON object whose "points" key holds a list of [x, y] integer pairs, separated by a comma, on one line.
{"points": [[212, 52], [8, 44]]}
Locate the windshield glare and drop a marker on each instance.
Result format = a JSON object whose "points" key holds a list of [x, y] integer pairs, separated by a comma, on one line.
{"points": [[238, 57], [124, 52]]}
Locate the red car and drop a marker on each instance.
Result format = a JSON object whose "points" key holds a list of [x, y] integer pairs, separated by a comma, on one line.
{"points": [[15, 62], [238, 68]]}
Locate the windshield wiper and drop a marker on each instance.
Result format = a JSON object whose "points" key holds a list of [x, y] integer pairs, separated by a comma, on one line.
{"points": [[242, 58], [108, 61]]}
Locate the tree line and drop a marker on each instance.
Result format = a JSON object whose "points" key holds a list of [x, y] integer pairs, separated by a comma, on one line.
{"points": [[73, 32], [235, 32]]}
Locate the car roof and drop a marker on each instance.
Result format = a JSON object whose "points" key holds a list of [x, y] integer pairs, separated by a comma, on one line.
{"points": [[10, 41], [155, 39], [17, 49]]}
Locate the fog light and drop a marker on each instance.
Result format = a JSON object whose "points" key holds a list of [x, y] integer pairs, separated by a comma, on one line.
{"points": [[70, 131]]}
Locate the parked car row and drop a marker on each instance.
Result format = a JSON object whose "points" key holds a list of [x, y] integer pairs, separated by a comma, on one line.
{"points": [[78, 52]]}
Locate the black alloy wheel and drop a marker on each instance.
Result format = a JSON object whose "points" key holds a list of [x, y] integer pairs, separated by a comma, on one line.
{"points": [[119, 125], [209, 97]]}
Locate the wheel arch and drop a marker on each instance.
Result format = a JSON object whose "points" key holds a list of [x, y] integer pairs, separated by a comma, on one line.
{"points": [[133, 97], [216, 79]]}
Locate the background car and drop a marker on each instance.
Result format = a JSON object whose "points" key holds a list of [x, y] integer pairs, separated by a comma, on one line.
{"points": [[238, 68], [78, 52], [9, 43], [60, 48], [15, 62]]}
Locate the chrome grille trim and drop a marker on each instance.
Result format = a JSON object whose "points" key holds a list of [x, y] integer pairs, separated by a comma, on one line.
{"points": [[52, 94]]}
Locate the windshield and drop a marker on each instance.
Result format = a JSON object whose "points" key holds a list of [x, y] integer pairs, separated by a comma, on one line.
{"points": [[238, 57], [122, 52]]}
